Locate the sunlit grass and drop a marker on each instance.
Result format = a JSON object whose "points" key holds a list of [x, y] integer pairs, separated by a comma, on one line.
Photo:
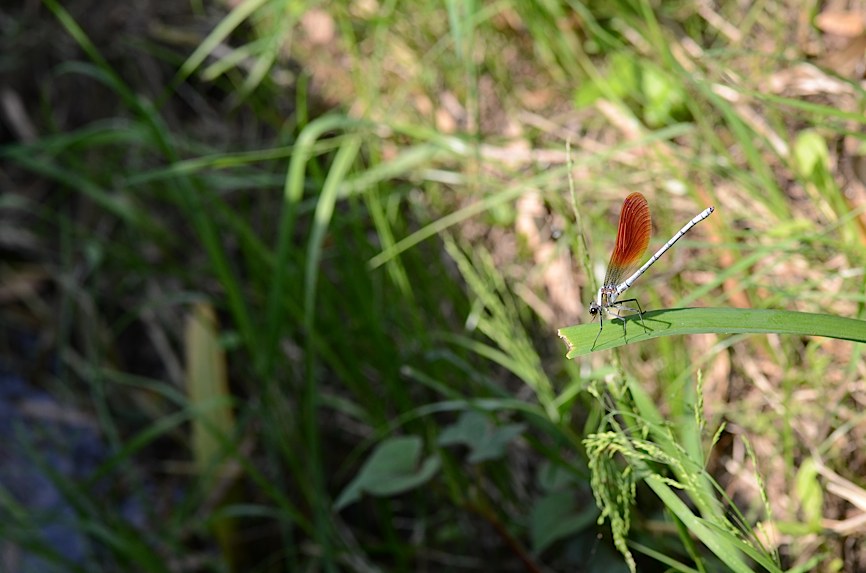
{"points": [[390, 276]]}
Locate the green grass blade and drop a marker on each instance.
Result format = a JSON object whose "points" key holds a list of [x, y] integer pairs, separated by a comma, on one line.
{"points": [[227, 25], [343, 162], [579, 338], [293, 192], [324, 210], [726, 549], [672, 563]]}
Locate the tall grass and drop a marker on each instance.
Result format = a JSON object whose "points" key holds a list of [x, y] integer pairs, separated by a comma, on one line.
{"points": [[398, 397]]}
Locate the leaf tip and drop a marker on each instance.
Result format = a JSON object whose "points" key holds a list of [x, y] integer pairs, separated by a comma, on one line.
{"points": [[568, 344]]}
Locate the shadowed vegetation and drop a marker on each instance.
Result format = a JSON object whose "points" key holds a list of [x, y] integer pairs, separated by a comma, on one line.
{"points": [[301, 268]]}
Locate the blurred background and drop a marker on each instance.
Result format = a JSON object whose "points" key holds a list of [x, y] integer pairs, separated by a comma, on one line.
{"points": [[280, 285]]}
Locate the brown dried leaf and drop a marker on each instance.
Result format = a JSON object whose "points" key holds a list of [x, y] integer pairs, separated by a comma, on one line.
{"points": [[840, 23]]}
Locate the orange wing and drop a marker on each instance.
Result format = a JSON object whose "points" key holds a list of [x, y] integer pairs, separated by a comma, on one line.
{"points": [[632, 238]]}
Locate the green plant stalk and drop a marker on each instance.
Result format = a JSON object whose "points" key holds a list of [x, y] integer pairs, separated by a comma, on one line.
{"points": [[687, 466], [644, 441]]}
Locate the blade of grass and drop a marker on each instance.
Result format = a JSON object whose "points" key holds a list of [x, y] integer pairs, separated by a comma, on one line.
{"points": [[118, 206], [673, 564], [690, 462], [227, 25], [324, 210], [293, 192], [725, 548], [579, 338]]}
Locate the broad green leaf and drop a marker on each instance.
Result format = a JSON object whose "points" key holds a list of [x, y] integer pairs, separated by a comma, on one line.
{"points": [[552, 477], [556, 516], [810, 494], [467, 428], [394, 467], [487, 442], [811, 155], [664, 97]]}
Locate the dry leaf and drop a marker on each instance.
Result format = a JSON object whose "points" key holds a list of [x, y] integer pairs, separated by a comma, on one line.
{"points": [[846, 24]]}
